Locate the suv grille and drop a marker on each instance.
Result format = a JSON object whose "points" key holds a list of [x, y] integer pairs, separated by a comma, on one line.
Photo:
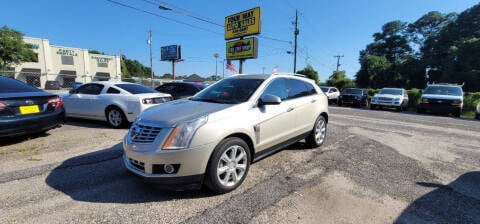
{"points": [[143, 133]]}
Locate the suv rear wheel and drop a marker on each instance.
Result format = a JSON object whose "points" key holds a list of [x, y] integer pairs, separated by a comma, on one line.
{"points": [[228, 165]]}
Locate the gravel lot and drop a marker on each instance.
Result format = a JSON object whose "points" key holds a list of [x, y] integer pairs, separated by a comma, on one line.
{"points": [[375, 167]]}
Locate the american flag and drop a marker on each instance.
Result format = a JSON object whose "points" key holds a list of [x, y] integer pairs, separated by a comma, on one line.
{"points": [[275, 69], [230, 66]]}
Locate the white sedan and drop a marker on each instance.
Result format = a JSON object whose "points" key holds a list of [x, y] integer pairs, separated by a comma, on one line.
{"points": [[115, 102]]}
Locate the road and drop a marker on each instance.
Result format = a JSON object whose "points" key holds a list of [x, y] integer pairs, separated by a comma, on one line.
{"points": [[375, 167]]}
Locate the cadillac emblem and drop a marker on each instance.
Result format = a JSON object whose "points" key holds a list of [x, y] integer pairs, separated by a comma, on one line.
{"points": [[134, 132]]}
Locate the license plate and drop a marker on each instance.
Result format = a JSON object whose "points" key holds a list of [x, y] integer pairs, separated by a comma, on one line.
{"points": [[29, 109]]}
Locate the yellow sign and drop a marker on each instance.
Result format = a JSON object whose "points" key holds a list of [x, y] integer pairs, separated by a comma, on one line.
{"points": [[242, 49], [242, 24]]}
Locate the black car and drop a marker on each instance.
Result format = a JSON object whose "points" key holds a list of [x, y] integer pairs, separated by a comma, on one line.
{"points": [[27, 110], [180, 90], [353, 96]]}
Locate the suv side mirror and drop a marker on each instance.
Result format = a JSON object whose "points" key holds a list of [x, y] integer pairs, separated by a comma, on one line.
{"points": [[269, 99]]}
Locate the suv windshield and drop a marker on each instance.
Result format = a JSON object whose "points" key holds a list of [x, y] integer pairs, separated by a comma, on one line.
{"points": [[354, 91], [444, 90], [230, 91], [135, 88], [391, 91]]}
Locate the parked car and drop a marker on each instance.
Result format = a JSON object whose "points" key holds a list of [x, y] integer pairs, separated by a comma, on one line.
{"points": [[442, 98], [115, 102], [477, 112], [390, 98], [331, 92], [354, 96], [213, 137], [180, 90], [27, 110]]}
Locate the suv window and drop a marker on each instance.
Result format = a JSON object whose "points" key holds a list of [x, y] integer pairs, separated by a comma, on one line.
{"points": [[296, 88], [90, 89], [278, 88]]}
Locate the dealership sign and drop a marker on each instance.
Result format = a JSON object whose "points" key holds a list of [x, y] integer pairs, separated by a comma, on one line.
{"points": [[66, 52], [242, 49], [171, 53], [242, 24]]}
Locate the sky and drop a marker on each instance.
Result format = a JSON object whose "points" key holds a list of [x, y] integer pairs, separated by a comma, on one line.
{"points": [[327, 29]]}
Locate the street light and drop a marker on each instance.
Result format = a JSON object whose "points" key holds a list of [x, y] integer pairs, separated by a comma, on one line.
{"points": [[216, 65]]}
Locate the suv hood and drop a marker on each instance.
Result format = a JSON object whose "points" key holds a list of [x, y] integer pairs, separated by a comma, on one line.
{"points": [[442, 97], [174, 112]]}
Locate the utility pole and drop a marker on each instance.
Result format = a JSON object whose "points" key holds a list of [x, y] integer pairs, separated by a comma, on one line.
{"points": [[296, 32], [151, 58], [338, 60]]}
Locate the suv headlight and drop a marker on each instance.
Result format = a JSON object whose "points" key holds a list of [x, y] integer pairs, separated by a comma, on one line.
{"points": [[182, 135]]}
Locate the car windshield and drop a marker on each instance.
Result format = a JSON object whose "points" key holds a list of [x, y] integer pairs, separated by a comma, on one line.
{"points": [[391, 91], [324, 89], [229, 91], [354, 91], [135, 88], [444, 90], [10, 85]]}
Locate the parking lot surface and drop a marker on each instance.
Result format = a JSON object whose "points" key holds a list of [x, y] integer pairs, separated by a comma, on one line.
{"points": [[375, 167]]}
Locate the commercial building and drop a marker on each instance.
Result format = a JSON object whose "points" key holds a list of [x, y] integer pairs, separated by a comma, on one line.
{"points": [[60, 67]]}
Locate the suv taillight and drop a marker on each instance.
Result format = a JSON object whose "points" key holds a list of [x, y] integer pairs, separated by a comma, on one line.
{"points": [[56, 101]]}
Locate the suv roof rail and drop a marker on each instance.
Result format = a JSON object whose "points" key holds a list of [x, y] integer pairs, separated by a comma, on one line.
{"points": [[446, 84]]}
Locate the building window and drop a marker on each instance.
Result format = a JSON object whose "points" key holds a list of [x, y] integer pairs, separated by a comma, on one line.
{"points": [[67, 60], [102, 64]]}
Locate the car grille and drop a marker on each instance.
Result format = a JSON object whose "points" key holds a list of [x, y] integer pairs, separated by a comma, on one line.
{"points": [[440, 102], [143, 133], [385, 99]]}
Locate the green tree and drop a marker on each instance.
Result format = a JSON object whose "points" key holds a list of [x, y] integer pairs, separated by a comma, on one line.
{"points": [[95, 52], [374, 72], [310, 73], [13, 50], [340, 80]]}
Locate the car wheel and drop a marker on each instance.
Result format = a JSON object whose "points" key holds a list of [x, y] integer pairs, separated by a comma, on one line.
{"points": [[420, 110], [339, 103], [477, 116], [318, 134], [457, 113], [228, 165], [115, 117]]}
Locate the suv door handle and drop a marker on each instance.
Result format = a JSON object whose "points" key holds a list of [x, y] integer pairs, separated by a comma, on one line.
{"points": [[313, 101], [290, 109]]}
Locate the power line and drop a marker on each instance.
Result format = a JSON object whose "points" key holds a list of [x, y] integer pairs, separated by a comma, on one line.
{"points": [[163, 17]]}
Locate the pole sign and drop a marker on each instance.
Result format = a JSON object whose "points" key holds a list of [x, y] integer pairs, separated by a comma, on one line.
{"points": [[170, 53], [242, 49], [242, 24]]}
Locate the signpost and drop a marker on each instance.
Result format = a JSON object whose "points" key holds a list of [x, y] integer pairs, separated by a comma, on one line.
{"points": [[171, 53], [240, 25]]}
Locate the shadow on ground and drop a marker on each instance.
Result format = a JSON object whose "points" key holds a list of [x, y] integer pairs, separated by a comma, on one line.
{"points": [[457, 202], [101, 177]]}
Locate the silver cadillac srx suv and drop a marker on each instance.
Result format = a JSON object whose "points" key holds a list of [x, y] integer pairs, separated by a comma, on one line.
{"points": [[212, 138]]}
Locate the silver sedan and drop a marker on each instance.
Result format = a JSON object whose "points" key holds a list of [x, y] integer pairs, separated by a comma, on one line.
{"points": [[115, 102]]}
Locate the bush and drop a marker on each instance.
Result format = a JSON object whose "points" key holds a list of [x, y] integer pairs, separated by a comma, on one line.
{"points": [[413, 97], [470, 101]]}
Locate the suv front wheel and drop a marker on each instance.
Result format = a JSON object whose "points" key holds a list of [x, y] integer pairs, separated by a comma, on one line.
{"points": [[228, 165]]}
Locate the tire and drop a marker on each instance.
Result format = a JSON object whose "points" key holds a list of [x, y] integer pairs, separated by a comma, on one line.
{"points": [[399, 108], [420, 110], [477, 116], [339, 103], [115, 117], [457, 113], [228, 166], [318, 134]]}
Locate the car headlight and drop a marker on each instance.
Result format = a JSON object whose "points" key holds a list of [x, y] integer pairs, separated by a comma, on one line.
{"points": [[397, 100], [182, 135], [457, 103]]}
